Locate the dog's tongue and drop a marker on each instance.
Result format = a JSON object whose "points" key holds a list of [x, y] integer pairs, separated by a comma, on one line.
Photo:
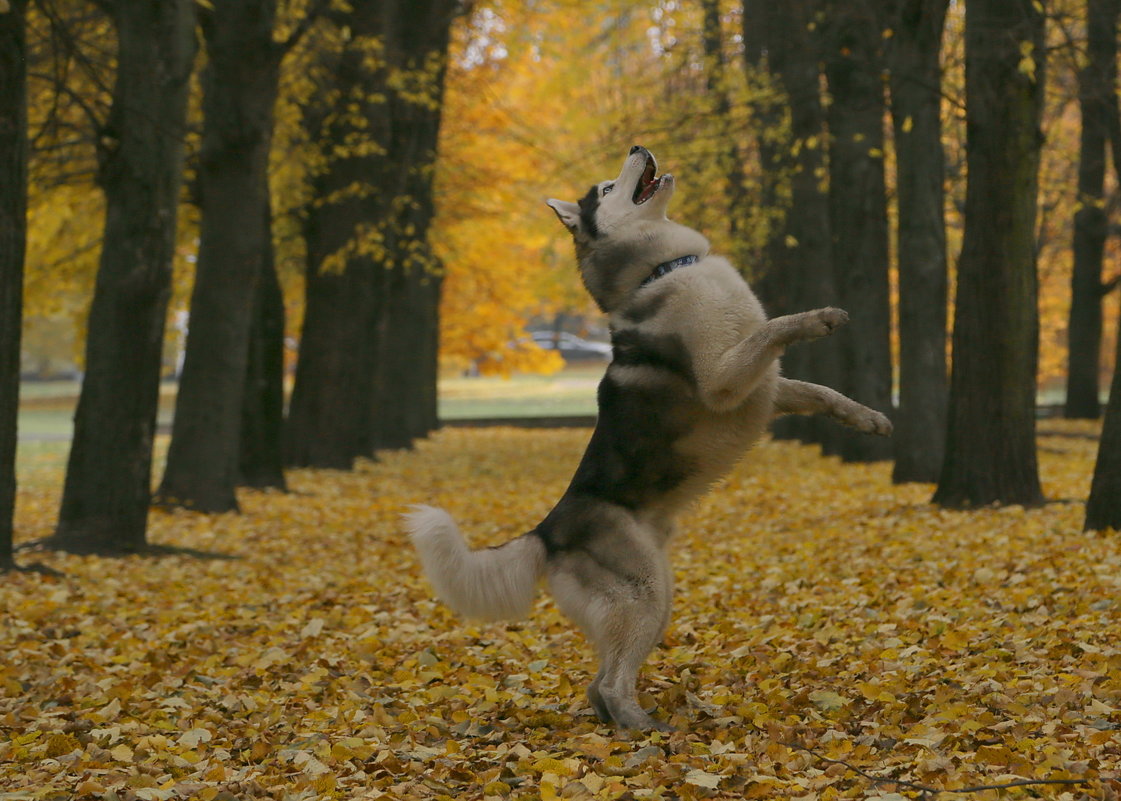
{"points": [[648, 187], [647, 183]]}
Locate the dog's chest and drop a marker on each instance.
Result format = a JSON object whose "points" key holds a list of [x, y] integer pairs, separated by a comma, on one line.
{"points": [[662, 348], [706, 310]]}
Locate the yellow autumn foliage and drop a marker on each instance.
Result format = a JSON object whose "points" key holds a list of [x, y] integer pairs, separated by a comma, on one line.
{"points": [[828, 627], [542, 98]]}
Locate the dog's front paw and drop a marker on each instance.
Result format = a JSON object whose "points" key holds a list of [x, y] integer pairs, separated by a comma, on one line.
{"points": [[822, 322], [869, 421], [830, 319]]}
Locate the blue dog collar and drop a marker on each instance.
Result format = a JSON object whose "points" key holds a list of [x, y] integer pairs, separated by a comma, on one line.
{"points": [[668, 267]]}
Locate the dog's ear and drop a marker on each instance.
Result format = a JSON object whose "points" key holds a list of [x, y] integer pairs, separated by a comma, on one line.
{"points": [[568, 213]]}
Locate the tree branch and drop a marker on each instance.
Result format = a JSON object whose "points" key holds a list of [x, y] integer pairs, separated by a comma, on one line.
{"points": [[925, 789]]}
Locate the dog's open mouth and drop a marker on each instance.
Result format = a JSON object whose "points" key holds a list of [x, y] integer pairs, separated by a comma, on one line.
{"points": [[648, 183]]}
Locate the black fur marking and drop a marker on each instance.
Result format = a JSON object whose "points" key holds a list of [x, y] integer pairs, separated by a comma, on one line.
{"points": [[634, 347], [631, 460], [589, 204]]}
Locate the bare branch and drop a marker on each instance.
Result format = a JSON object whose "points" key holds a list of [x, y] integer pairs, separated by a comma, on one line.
{"points": [[925, 789]]}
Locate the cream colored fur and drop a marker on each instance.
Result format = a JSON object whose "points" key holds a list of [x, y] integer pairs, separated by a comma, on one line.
{"points": [[492, 584]]}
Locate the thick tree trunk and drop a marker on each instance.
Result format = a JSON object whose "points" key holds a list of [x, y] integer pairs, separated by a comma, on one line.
{"points": [[920, 423], [328, 414], [990, 445], [798, 274], [731, 162], [407, 321], [13, 241], [404, 400], [239, 92], [262, 417], [1097, 84], [108, 478], [367, 372], [1103, 508], [858, 215]]}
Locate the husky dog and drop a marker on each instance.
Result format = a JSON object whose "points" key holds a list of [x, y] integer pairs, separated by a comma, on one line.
{"points": [[693, 382]]}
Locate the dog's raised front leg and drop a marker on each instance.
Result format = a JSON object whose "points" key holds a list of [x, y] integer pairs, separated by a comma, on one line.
{"points": [[802, 397], [737, 372]]}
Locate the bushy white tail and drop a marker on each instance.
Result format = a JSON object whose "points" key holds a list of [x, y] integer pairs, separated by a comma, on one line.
{"points": [[491, 583]]}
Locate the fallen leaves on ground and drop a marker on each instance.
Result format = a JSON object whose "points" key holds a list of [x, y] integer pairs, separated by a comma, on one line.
{"points": [[830, 629]]}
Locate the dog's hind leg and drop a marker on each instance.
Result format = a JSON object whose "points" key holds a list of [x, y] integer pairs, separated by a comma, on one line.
{"points": [[632, 629], [628, 631], [624, 616], [596, 698], [802, 397]]}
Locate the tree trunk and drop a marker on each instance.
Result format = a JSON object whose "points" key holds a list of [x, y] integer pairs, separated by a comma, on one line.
{"points": [[858, 215], [403, 408], [920, 423], [239, 92], [366, 377], [799, 267], [1097, 84], [345, 121], [108, 478], [262, 417], [13, 241], [1103, 508], [404, 399], [990, 445], [731, 163]]}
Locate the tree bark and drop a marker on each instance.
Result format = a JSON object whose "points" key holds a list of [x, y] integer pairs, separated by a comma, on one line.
{"points": [[345, 121], [914, 60], [239, 92], [798, 273], [1103, 508], [366, 378], [731, 162], [13, 243], [858, 214], [990, 444], [1096, 87], [404, 388], [108, 478], [262, 417]]}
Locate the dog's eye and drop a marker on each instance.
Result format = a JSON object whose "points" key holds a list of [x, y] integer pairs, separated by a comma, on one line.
{"points": [[608, 188]]}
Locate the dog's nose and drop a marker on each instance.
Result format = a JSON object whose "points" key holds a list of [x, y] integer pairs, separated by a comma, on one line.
{"points": [[635, 149]]}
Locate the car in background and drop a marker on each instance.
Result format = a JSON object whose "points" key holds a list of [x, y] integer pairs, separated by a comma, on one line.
{"points": [[571, 347]]}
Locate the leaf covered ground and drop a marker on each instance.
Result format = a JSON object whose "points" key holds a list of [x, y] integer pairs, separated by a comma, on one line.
{"points": [[830, 630]]}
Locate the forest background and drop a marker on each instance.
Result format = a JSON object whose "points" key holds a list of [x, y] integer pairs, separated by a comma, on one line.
{"points": [[363, 183], [843, 635], [542, 99]]}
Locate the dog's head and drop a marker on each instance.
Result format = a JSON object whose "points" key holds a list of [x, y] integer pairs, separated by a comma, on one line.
{"points": [[638, 194], [621, 231]]}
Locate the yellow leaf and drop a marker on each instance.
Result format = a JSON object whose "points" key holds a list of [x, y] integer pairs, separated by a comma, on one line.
{"points": [[827, 700], [701, 778]]}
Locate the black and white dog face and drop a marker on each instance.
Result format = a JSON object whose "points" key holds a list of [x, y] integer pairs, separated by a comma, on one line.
{"points": [[621, 231], [637, 194]]}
